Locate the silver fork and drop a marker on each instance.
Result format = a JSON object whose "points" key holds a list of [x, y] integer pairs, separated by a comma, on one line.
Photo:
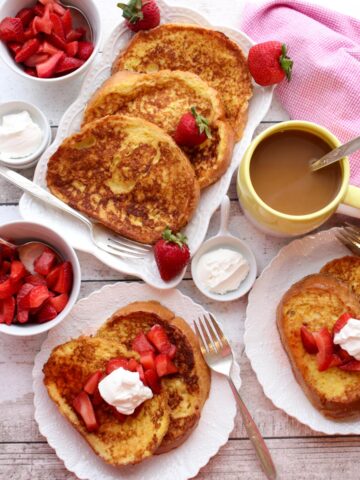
{"points": [[350, 237], [101, 236], [219, 357]]}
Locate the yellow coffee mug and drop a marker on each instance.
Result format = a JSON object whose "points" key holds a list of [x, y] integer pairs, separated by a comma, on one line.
{"points": [[281, 224]]}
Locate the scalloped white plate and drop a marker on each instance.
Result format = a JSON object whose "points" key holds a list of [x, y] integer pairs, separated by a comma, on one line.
{"points": [[262, 341], [77, 233], [182, 463]]}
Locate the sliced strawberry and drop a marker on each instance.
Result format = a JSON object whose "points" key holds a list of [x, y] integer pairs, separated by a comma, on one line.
{"points": [[308, 340], [341, 322], [119, 416], [30, 71], [43, 24], [57, 41], [45, 262], [345, 356], [93, 381], [133, 364], [11, 30], [6, 289], [67, 21], [85, 50], [36, 59], [141, 344], [65, 278], [23, 314], [26, 15], [14, 47], [76, 34], [158, 337], [353, 366], [140, 370], [72, 49], [53, 276], [59, 302], [54, 6], [18, 271], [164, 365], [152, 380], [68, 64], [29, 33], [172, 351], [58, 27], [47, 69], [324, 343], [39, 9], [8, 252], [97, 398], [83, 407], [28, 49], [46, 47], [35, 298], [35, 280], [5, 267], [46, 313], [7, 310], [147, 360], [116, 363], [336, 360]]}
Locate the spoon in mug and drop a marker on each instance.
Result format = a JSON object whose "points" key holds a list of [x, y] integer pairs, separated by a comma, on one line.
{"points": [[335, 155], [28, 252]]}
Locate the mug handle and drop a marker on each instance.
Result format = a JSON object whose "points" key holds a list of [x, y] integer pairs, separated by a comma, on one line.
{"points": [[350, 204]]}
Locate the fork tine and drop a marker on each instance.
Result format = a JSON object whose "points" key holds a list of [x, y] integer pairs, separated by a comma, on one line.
{"points": [[353, 234], [214, 337], [350, 237], [123, 248], [350, 245], [219, 331], [121, 253], [130, 244], [201, 341], [209, 343]]}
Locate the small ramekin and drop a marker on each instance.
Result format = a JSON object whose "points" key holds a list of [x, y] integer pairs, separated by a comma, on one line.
{"points": [[37, 117], [22, 232]]}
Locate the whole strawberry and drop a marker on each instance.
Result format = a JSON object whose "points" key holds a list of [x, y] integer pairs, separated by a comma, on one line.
{"points": [[193, 129], [141, 14], [268, 63], [171, 254]]}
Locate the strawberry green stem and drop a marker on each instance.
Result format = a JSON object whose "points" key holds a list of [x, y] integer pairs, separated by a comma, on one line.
{"points": [[201, 122], [286, 62]]}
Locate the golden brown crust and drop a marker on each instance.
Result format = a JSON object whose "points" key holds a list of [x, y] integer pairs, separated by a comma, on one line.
{"points": [[346, 269], [162, 98], [128, 174], [206, 52], [317, 301]]}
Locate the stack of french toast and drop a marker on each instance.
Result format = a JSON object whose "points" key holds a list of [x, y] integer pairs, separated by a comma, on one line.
{"points": [[124, 168]]}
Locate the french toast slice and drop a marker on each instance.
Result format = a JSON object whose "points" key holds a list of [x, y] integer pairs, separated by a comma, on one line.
{"points": [[130, 442], [127, 174], [163, 98], [187, 390], [317, 301], [346, 269], [206, 52]]}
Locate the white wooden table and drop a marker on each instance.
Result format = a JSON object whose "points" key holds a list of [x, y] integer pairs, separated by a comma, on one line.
{"points": [[298, 452]]}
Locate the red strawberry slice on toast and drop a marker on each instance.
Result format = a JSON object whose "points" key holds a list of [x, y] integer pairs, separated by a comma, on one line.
{"points": [[82, 405], [324, 343]]}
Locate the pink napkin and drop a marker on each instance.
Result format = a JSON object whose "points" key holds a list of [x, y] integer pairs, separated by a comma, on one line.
{"points": [[325, 47]]}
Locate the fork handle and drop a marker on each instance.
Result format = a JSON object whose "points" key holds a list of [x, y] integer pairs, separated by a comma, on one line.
{"points": [[255, 436], [30, 187]]}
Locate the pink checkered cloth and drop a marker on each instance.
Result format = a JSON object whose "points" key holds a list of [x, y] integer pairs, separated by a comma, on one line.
{"points": [[325, 47]]}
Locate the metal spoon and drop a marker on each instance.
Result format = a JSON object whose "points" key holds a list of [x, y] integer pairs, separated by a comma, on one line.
{"points": [[80, 19], [335, 155], [29, 251]]}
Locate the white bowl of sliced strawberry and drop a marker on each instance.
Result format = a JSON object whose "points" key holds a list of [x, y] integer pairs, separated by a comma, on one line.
{"points": [[42, 40], [39, 282]]}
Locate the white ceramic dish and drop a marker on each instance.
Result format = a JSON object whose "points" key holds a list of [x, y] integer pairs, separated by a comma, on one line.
{"points": [[22, 232], [224, 239], [210, 199], [38, 117], [262, 342], [211, 433], [9, 8]]}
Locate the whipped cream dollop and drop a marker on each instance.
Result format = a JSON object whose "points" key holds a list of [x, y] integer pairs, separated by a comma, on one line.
{"points": [[349, 338], [124, 390], [222, 270], [20, 136]]}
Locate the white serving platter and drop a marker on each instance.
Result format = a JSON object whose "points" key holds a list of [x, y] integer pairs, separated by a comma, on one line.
{"points": [[77, 233]]}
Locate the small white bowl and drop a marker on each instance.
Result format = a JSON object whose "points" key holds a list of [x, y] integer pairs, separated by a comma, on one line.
{"points": [[22, 232], [37, 117], [225, 240], [9, 8]]}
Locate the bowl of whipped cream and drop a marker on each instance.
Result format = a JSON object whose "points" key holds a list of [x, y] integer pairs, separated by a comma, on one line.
{"points": [[24, 134]]}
